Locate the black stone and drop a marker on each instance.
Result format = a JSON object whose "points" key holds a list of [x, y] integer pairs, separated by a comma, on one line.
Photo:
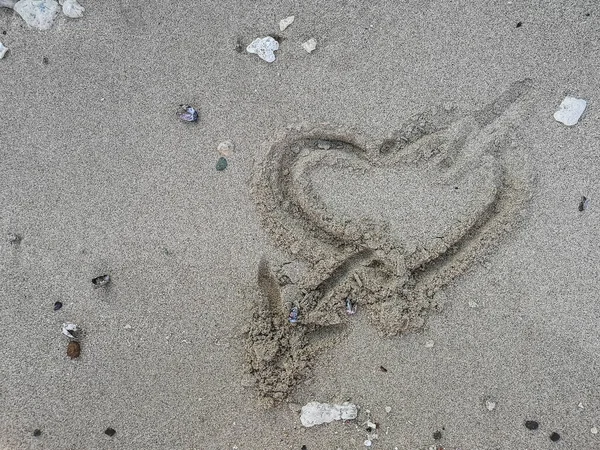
{"points": [[221, 164], [303, 447], [531, 425], [437, 435], [110, 431], [37, 432], [57, 306], [519, 24], [554, 437]]}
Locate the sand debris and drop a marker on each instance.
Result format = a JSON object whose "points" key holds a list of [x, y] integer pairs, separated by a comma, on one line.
{"points": [[310, 45], [284, 23], [264, 48], [570, 111]]}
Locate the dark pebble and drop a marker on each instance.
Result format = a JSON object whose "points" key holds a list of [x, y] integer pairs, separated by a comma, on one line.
{"points": [[221, 164], [519, 24], [57, 306], [383, 369], [554, 437], [73, 349], [437, 435], [37, 433], [303, 447], [45, 60], [531, 425], [110, 431], [368, 429], [4, 32], [102, 280]]}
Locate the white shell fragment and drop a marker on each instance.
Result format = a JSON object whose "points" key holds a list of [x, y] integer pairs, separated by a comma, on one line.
{"points": [[68, 328], [284, 23], [39, 14], [264, 48], [310, 45], [71, 8], [315, 413], [3, 50], [226, 148], [570, 111]]}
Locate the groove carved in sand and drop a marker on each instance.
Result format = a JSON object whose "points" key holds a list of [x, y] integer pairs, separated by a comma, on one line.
{"points": [[392, 272]]}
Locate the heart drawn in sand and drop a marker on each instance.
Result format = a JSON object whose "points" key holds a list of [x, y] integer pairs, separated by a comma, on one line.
{"points": [[385, 224]]}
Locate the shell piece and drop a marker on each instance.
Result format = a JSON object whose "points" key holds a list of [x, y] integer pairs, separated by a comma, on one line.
{"points": [[73, 349], [264, 48], [284, 23], [71, 8], [294, 313], [187, 113], [102, 280], [39, 14], [3, 50], [570, 111], [70, 330], [226, 148], [310, 45]]}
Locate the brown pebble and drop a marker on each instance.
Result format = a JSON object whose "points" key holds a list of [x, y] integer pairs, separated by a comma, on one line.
{"points": [[73, 350]]}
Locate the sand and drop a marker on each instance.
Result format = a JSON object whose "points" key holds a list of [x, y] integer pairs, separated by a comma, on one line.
{"points": [[342, 183]]}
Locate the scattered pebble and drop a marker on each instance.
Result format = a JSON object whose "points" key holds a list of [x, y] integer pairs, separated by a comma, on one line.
{"points": [[102, 280], [429, 344], [3, 50], [221, 164], [294, 313], [473, 304], [594, 430], [388, 409], [187, 113], [368, 443], [45, 60], [531, 425], [71, 330], [310, 45], [14, 239], [555, 437], [584, 203], [490, 405], [284, 23], [127, 327], [303, 447], [226, 148], [110, 431], [519, 24], [383, 369], [264, 48], [73, 350], [580, 405], [57, 306], [570, 111], [37, 432], [437, 435]]}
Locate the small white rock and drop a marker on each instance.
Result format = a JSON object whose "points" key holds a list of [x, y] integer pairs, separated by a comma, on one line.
{"points": [[71, 8], [128, 327], [594, 430], [429, 344], [315, 413], [264, 48], [580, 405], [284, 23], [310, 45], [570, 111], [68, 328], [368, 443], [388, 409], [473, 304], [490, 405], [3, 50]]}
